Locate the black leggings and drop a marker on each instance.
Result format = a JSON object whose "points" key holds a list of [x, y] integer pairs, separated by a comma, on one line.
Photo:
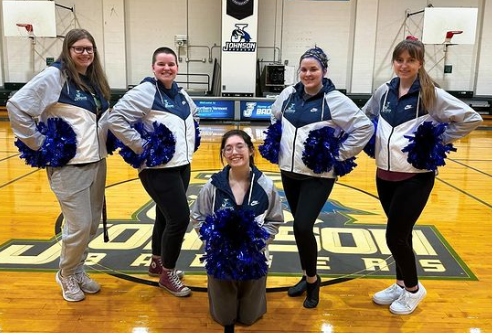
{"points": [[309, 194], [403, 202], [167, 187]]}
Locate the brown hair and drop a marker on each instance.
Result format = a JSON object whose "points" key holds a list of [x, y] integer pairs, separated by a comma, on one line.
{"points": [[165, 50], [95, 73], [416, 50], [243, 135]]}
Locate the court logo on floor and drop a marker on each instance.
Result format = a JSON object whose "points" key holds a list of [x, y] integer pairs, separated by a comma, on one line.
{"points": [[350, 241]]}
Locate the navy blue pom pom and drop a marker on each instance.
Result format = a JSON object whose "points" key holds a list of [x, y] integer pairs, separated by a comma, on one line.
{"points": [[426, 150], [159, 147], [321, 150], [129, 156], [270, 148], [342, 168], [234, 244], [112, 143], [33, 158], [59, 146], [198, 138], [370, 148]]}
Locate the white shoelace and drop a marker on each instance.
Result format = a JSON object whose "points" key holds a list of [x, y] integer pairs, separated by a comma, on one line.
{"points": [[403, 299], [82, 277], [71, 283], [173, 277]]}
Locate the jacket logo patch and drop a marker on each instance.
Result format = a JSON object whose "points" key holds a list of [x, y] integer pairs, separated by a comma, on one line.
{"points": [[291, 108], [254, 203], [79, 96], [408, 107], [314, 110], [168, 104], [226, 204], [386, 108]]}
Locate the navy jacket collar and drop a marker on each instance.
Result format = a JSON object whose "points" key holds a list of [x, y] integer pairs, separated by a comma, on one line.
{"points": [[327, 87], [221, 178], [169, 92], [394, 84]]}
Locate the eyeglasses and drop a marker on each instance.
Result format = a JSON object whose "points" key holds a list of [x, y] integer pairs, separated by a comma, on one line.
{"points": [[81, 49], [228, 150]]}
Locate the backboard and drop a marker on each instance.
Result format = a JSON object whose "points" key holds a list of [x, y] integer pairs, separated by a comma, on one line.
{"points": [[29, 18], [460, 23]]}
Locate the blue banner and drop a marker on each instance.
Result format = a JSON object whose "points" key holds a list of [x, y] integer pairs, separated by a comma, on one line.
{"points": [[215, 109], [256, 110]]}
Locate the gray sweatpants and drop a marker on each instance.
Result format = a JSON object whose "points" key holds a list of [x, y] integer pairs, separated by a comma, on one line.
{"points": [[80, 192], [236, 301]]}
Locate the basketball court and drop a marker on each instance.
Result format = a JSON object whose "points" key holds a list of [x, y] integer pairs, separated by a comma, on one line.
{"points": [[451, 239]]}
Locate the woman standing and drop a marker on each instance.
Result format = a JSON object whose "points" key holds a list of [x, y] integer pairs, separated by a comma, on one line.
{"points": [[75, 90], [239, 186], [159, 100], [311, 104], [401, 106]]}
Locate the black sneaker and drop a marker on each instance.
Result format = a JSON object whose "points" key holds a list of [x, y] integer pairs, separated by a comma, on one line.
{"points": [[299, 288], [312, 298]]}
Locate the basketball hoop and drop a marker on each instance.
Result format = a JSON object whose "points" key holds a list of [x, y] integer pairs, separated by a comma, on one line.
{"points": [[447, 41], [450, 34], [29, 28]]}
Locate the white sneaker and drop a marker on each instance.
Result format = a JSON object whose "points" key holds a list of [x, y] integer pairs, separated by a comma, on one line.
{"points": [[408, 301], [70, 288], [87, 284], [388, 295]]}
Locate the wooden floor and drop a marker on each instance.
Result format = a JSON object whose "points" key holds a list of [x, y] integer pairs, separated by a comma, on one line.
{"points": [[460, 209]]}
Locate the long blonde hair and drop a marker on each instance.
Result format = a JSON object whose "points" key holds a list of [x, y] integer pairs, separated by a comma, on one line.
{"points": [[416, 50], [95, 73]]}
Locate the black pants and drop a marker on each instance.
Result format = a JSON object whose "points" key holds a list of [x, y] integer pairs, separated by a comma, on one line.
{"points": [[306, 197], [403, 202], [167, 187]]}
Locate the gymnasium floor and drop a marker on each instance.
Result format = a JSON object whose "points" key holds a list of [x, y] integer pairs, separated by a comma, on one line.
{"points": [[453, 251]]}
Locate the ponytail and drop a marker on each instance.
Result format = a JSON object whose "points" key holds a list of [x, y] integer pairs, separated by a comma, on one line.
{"points": [[427, 90]]}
